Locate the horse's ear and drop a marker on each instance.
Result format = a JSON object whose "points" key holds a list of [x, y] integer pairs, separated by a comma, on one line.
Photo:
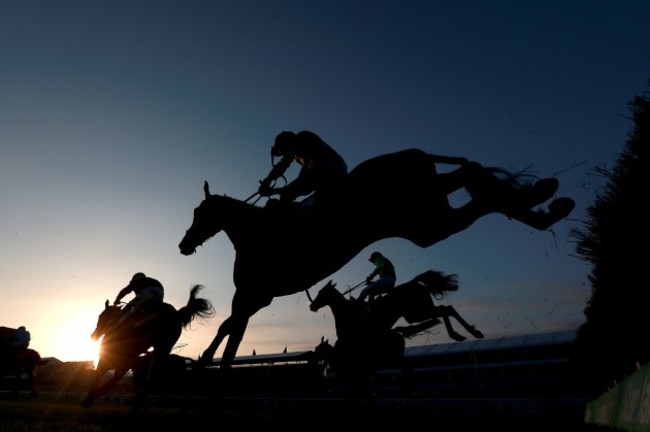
{"points": [[106, 305], [206, 189]]}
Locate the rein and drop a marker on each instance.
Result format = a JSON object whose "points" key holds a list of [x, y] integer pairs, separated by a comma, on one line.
{"points": [[354, 287]]}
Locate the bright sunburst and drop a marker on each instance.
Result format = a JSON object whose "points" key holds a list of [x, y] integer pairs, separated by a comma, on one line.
{"points": [[75, 344]]}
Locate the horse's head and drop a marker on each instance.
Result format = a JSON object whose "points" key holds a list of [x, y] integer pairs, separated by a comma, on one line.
{"points": [[325, 296], [204, 225], [322, 355], [106, 319], [323, 350]]}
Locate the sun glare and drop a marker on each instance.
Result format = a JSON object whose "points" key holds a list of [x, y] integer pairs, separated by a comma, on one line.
{"points": [[75, 344]]}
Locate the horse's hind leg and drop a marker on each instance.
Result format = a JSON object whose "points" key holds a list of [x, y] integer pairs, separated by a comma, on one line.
{"points": [[449, 311], [515, 200], [558, 209], [450, 330]]}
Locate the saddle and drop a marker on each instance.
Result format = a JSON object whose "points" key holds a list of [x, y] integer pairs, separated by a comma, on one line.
{"points": [[295, 212]]}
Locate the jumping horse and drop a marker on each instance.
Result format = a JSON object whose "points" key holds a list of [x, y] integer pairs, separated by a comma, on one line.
{"points": [[121, 348], [281, 253], [411, 301], [366, 336]]}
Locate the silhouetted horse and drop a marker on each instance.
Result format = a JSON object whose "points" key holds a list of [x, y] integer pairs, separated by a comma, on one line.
{"points": [[411, 301], [121, 348], [321, 356], [25, 361], [280, 254], [360, 346], [366, 337]]}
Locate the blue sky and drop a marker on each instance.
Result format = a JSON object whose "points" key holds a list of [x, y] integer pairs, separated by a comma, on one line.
{"points": [[113, 114]]}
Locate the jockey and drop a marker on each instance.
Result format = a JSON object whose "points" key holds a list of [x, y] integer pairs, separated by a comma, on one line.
{"points": [[14, 341], [149, 292], [21, 339], [320, 166], [387, 278]]}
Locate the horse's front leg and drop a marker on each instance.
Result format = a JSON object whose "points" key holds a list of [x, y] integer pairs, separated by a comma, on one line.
{"points": [[224, 330], [234, 339], [31, 381], [98, 389], [243, 307], [94, 385]]}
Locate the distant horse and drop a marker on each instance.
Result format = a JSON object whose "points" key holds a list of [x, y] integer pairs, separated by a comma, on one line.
{"points": [[321, 356], [158, 328], [25, 361], [281, 253], [361, 345]]}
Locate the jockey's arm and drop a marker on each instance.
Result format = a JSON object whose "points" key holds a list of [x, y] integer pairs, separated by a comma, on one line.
{"points": [[279, 169], [123, 292]]}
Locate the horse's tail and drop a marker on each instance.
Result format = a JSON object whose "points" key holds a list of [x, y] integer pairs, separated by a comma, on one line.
{"points": [[437, 282], [196, 307]]}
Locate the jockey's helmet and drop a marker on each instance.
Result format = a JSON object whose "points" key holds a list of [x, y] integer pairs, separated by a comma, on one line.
{"points": [[283, 143], [374, 256], [137, 276]]}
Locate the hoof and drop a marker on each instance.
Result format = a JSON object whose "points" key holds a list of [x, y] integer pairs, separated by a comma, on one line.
{"points": [[541, 191], [203, 362], [561, 207], [457, 337], [476, 333], [541, 220]]}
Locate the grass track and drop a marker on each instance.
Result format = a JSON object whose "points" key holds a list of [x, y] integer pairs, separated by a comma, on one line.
{"points": [[45, 416]]}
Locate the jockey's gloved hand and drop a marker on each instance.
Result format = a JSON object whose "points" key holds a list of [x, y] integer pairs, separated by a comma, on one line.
{"points": [[368, 280], [265, 188]]}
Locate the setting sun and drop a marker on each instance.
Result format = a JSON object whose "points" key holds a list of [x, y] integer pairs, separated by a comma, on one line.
{"points": [[76, 345]]}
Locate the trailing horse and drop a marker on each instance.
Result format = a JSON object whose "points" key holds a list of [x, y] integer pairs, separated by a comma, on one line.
{"points": [[361, 346], [14, 364], [317, 243], [366, 336], [158, 328]]}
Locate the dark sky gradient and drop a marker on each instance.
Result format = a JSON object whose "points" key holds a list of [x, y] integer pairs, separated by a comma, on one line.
{"points": [[114, 113]]}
